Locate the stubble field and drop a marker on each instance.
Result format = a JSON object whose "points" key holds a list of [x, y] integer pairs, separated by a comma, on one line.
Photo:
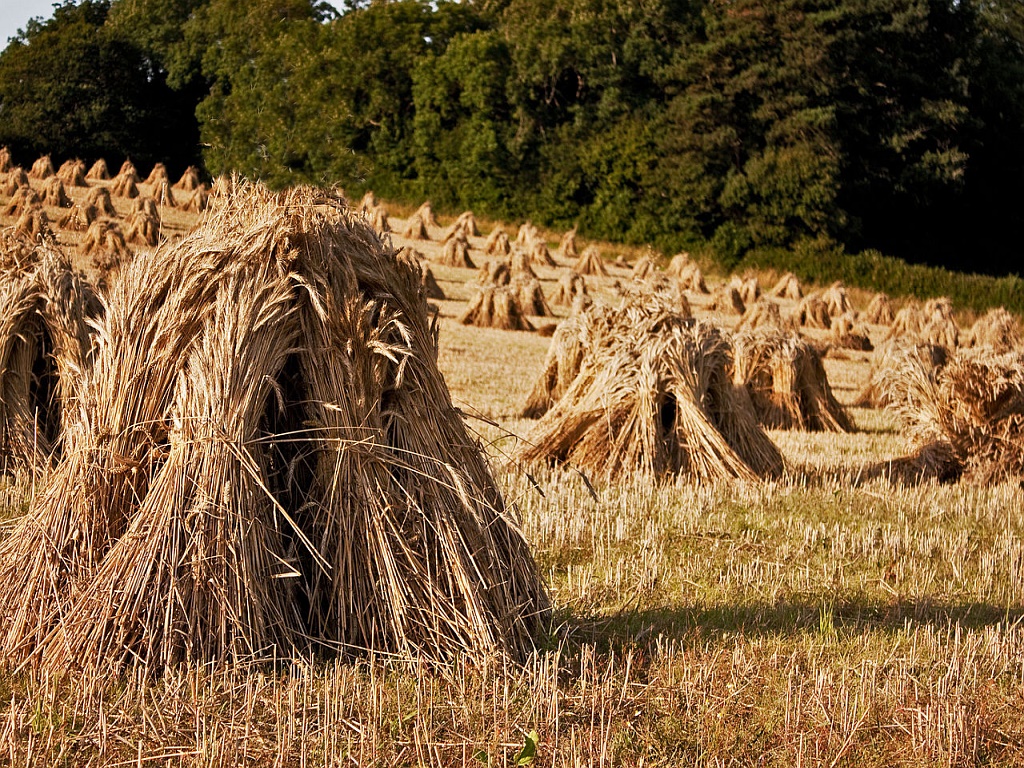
{"points": [[819, 619]]}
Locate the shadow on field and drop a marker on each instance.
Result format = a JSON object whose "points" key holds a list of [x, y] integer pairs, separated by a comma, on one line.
{"points": [[697, 624]]}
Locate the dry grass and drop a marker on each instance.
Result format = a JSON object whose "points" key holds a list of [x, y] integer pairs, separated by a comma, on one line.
{"points": [[823, 619]]}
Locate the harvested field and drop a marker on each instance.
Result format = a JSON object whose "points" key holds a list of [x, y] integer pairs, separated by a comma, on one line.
{"points": [[859, 605]]}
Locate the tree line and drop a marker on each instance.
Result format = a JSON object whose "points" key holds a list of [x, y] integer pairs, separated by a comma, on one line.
{"points": [[734, 125]]}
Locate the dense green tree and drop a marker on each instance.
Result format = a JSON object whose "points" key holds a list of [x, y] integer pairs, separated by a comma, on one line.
{"points": [[888, 124], [72, 86]]}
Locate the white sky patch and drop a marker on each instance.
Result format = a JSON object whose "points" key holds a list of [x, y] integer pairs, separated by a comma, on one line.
{"points": [[14, 14]]}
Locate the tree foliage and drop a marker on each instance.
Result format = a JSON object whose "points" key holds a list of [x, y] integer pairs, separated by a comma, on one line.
{"points": [[739, 124]]}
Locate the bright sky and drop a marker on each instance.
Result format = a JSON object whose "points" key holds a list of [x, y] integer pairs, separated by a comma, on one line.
{"points": [[14, 14]]}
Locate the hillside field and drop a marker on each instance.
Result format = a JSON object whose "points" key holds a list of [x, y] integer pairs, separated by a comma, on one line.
{"points": [[816, 619]]}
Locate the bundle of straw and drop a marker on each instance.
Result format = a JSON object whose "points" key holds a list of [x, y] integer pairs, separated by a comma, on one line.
{"points": [[98, 171], [788, 287], [567, 247], [496, 306], [590, 263], [997, 330], [426, 214], [974, 406], [656, 398], [189, 181], [266, 458], [415, 228], [879, 310], [72, 173], [787, 382], [44, 353], [41, 168], [813, 312], [497, 243], [99, 198], [455, 253]]}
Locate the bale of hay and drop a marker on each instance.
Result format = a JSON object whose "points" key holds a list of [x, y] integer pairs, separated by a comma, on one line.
{"points": [[299, 475], [727, 299], [189, 181], [579, 332], [123, 185], [98, 171], [44, 355], [147, 206], [197, 202], [99, 198], [787, 382], [692, 279], [379, 219], [526, 235], [655, 397], [415, 228], [570, 286], [879, 311], [763, 313], [974, 405], [813, 312], [426, 214], [788, 287], [54, 194], [567, 247], [41, 168], [128, 171], [519, 263], [104, 237], [997, 331], [496, 272], [72, 173], [748, 289], [940, 326], [908, 322], [466, 221], [13, 180], [23, 199], [143, 228], [836, 299], [33, 223], [164, 195], [590, 263], [495, 306], [6, 163], [456, 231], [620, 261], [79, 218], [531, 297], [455, 253], [847, 333], [643, 268], [158, 175], [886, 363], [497, 243], [540, 254], [677, 264]]}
